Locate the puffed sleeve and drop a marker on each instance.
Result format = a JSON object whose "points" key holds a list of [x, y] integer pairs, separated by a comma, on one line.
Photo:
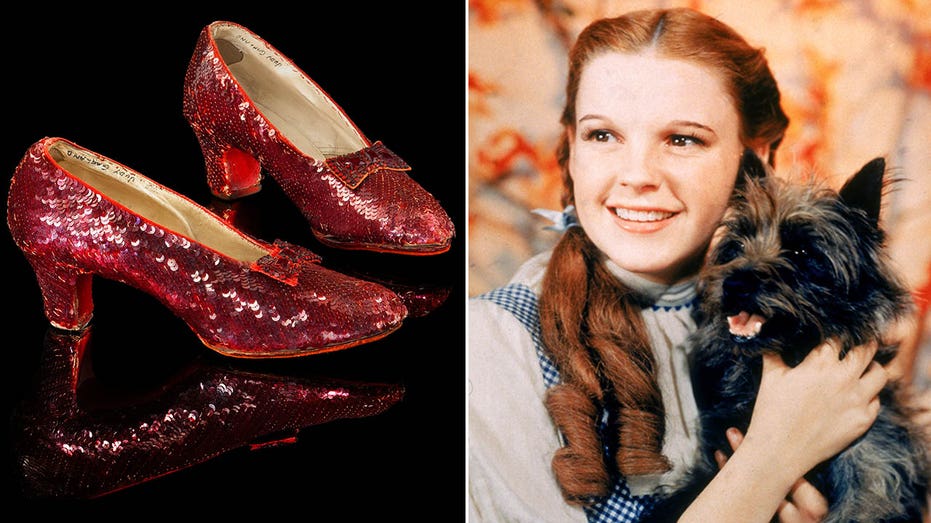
{"points": [[511, 439]]}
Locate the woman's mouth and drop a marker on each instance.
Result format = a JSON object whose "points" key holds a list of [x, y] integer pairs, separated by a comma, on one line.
{"points": [[633, 215], [640, 221]]}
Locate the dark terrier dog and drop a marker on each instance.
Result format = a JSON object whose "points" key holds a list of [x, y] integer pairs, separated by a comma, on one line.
{"points": [[795, 265]]}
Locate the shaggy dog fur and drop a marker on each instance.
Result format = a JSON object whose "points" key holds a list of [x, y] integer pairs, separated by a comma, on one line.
{"points": [[796, 264]]}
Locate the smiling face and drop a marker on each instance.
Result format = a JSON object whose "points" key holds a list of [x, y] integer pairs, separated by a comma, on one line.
{"points": [[654, 154]]}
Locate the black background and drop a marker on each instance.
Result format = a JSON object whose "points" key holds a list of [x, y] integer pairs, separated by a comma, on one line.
{"points": [[112, 82]]}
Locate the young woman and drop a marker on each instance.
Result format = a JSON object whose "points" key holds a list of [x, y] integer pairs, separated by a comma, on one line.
{"points": [[580, 405]]}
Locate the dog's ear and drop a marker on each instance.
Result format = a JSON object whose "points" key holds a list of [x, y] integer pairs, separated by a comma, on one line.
{"points": [[864, 189], [751, 168], [751, 165]]}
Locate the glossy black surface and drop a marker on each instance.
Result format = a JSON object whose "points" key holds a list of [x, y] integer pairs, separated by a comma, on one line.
{"points": [[112, 82]]}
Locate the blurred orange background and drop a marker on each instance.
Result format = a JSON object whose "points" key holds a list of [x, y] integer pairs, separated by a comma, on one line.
{"points": [[855, 78]]}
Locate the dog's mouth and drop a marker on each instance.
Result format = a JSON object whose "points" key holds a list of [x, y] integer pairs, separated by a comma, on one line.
{"points": [[745, 326]]}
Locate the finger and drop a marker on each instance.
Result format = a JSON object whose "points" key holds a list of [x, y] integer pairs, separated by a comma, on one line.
{"points": [[873, 409], [869, 349], [720, 458], [828, 352], [788, 513], [861, 356], [808, 500], [874, 379], [829, 346], [734, 437]]}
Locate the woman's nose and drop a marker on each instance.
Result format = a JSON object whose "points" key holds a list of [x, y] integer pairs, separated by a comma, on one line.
{"points": [[637, 168]]}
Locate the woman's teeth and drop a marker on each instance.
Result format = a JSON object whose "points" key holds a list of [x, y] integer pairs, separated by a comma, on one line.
{"points": [[641, 216]]}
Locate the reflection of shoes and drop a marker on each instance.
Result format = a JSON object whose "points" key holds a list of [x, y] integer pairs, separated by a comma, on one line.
{"points": [[251, 108], [76, 214], [67, 449]]}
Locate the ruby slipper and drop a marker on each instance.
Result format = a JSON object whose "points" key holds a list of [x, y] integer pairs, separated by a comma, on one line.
{"points": [[252, 109], [76, 214]]}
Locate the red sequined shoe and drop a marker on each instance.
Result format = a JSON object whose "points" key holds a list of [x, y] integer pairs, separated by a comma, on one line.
{"points": [[252, 109], [76, 214]]}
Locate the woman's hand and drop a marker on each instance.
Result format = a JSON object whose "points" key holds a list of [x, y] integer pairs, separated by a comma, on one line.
{"points": [[809, 413], [804, 504], [802, 416]]}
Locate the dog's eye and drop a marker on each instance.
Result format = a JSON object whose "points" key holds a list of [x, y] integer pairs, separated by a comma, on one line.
{"points": [[728, 250], [810, 261], [798, 256]]}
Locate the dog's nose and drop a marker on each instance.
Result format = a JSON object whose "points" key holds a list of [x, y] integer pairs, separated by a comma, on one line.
{"points": [[739, 286]]}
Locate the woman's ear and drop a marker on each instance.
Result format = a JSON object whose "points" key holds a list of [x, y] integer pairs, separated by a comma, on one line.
{"points": [[570, 135]]}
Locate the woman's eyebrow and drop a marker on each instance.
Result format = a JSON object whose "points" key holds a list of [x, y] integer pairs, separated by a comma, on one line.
{"points": [[594, 117], [689, 123]]}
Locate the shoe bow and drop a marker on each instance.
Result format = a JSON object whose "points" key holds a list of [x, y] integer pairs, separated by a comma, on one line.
{"points": [[284, 261], [354, 167]]}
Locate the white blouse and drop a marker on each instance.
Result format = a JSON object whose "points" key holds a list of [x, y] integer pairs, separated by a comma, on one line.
{"points": [[511, 438]]}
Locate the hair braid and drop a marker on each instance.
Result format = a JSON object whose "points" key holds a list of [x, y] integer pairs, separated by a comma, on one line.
{"points": [[593, 331]]}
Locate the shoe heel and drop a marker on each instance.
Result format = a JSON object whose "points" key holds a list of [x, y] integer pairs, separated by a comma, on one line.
{"points": [[66, 295], [231, 172]]}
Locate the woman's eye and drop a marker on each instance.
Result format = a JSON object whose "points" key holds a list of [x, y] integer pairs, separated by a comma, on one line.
{"points": [[598, 135], [683, 140]]}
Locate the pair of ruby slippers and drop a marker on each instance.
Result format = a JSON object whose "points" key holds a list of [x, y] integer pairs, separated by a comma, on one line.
{"points": [[76, 214]]}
